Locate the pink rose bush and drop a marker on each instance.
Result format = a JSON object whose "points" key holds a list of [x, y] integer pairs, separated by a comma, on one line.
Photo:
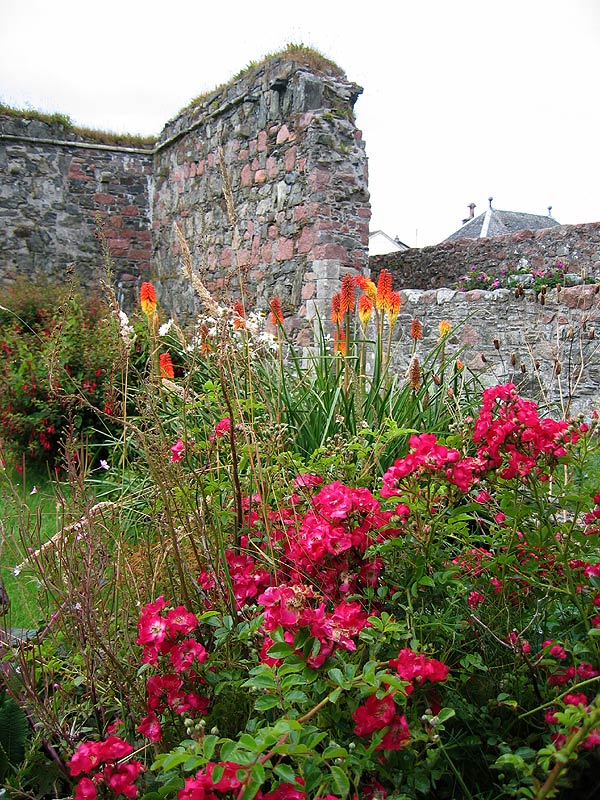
{"points": [[353, 640]]}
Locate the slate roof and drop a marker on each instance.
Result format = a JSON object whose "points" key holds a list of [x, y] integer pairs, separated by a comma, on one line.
{"points": [[497, 223]]}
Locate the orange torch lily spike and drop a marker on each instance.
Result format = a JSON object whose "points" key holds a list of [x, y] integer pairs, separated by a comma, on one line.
{"points": [[148, 298], [276, 311], [166, 366]]}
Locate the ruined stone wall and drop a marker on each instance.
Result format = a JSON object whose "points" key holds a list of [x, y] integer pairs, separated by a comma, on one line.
{"points": [[550, 349], [266, 178], [284, 140], [54, 186], [576, 246], [547, 346]]}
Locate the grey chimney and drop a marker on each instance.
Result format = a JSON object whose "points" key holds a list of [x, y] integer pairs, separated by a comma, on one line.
{"points": [[471, 216]]}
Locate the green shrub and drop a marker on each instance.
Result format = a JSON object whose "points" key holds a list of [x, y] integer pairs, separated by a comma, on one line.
{"points": [[317, 579], [59, 362]]}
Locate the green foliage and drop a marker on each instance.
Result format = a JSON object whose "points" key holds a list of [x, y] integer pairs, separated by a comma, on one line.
{"points": [[393, 579], [59, 362], [538, 280], [14, 735]]}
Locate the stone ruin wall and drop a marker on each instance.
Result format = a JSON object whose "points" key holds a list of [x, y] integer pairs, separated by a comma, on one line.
{"points": [[284, 140], [549, 347], [550, 350], [576, 246], [54, 188]]}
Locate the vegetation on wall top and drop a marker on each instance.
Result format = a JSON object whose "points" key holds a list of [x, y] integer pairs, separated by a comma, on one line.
{"points": [[297, 53], [89, 134]]}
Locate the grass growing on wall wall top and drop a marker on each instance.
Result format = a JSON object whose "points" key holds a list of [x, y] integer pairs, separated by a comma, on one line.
{"points": [[298, 53], [89, 134]]}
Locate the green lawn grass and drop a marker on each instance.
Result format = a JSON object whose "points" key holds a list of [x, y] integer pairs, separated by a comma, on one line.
{"points": [[28, 516]]}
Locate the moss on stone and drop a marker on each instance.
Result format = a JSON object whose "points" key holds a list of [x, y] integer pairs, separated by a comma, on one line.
{"points": [[297, 53], [88, 134]]}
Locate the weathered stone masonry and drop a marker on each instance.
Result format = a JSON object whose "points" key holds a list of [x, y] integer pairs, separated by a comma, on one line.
{"points": [[54, 188], [285, 139], [282, 136], [576, 246], [550, 348]]}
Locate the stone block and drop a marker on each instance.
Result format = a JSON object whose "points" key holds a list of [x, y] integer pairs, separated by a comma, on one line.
{"points": [[285, 249]]}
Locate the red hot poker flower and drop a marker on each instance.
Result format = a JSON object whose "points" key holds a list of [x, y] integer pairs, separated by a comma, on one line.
{"points": [[148, 298], [166, 366], [339, 342], [384, 287], [239, 316], [365, 309], [347, 301], [392, 306], [416, 329], [336, 309], [276, 311], [367, 286]]}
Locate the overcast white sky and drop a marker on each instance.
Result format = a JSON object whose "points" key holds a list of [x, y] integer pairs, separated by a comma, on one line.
{"points": [[462, 100]]}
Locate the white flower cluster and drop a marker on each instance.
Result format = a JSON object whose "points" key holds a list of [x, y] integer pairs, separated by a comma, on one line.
{"points": [[126, 331], [165, 328], [248, 331]]}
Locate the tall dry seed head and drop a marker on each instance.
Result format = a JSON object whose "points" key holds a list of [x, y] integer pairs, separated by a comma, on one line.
{"points": [[187, 269]]}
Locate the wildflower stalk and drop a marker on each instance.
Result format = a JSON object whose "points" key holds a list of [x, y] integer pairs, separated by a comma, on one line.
{"points": [[237, 489]]}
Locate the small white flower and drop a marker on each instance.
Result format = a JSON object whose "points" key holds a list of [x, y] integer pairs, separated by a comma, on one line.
{"points": [[165, 328], [34, 490], [126, 330], [104, 464]]}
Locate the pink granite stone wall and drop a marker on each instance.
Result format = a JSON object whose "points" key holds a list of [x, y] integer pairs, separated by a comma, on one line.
{"points": [[284, 138]]}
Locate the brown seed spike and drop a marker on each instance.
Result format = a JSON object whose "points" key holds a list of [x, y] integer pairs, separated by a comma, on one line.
{"points": [[416, 329], [414, 374]]}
